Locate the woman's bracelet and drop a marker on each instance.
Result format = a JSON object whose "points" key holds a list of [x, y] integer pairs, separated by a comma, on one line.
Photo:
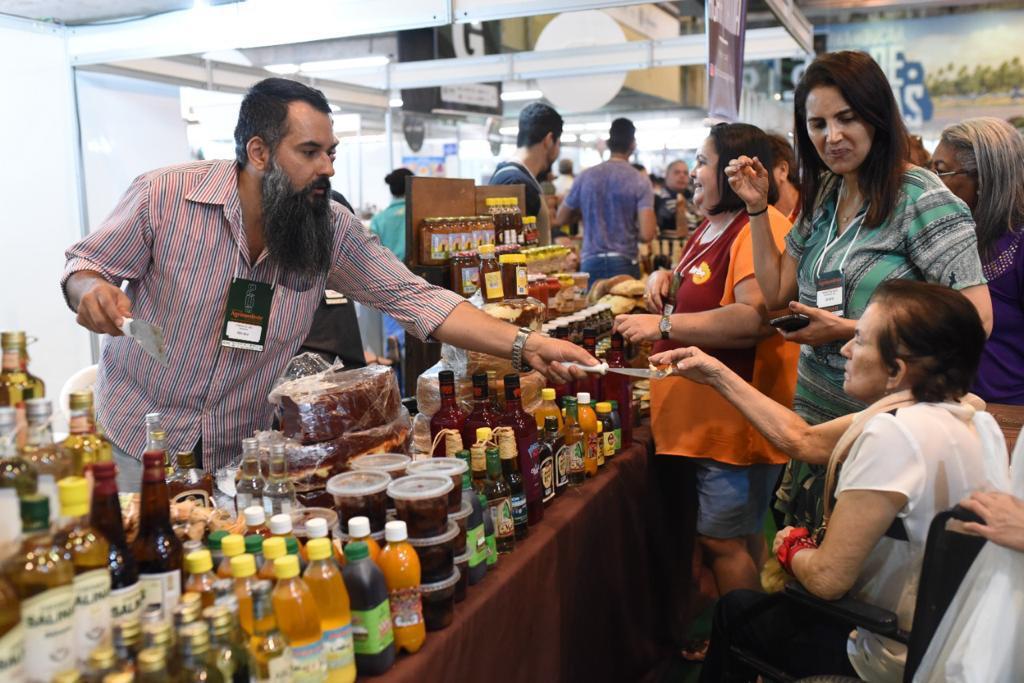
{"points": [[758, 213]]}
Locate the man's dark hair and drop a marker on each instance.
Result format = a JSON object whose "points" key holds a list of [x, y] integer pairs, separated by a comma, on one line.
{"points": [[639, 167], [863, 85], [783, 151], [936, 331], [264, 112], [536, 120], [731, 141], [621, 136], [396, 181]]}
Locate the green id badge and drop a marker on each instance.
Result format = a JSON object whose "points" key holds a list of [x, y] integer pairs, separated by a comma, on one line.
{"points": [[247, 315]]}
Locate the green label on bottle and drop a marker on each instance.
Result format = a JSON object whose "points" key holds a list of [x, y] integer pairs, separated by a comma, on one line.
{"points": [[492, 551], [371, 629], [476, 544], [618, 439]]}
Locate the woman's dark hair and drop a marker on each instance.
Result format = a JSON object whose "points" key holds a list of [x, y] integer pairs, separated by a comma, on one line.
{"points": [[396, 181], [865, 88], [536, 120], [783, 151], [732, 140], [936, 331], [264, 112]]}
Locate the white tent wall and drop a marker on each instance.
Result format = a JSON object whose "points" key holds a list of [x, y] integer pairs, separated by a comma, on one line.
{"points": [[39, 193]]}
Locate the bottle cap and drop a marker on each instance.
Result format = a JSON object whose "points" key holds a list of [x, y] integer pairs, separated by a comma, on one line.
{"points": [[319, 549], [102, 657], [614, 404], [198, 562], [281, 524], [483, 434], [74, 496], [214, 540], [395, 531], [316, 527], [233, 544], [253, 544], [604, 407], [151, 660], [80, 400], [254, 515], [38, 409], [511, 258], [243, 566], [291, 544], [486, 249], [286, 567], [583, 398], [547, 394], [274, 548], [359, 527], [356, 550]]}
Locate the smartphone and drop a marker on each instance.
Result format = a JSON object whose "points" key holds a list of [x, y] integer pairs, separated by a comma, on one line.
{"points": [[790, 323]]}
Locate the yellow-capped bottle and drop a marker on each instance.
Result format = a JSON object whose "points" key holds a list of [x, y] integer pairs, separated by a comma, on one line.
{"points": [[199, 567], [268, 649], [273, 549], [299, 619], [231, 546], [325, 583], [243, 569]]}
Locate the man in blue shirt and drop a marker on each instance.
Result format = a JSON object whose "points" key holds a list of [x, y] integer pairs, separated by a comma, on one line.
{"points": [[616, 204]]}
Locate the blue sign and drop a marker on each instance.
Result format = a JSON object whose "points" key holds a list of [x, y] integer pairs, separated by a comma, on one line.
{"points": [[451, 149]]}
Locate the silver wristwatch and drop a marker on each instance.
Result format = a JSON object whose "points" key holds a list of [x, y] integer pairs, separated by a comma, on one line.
{"points": [[665, 326], [517, 349]]}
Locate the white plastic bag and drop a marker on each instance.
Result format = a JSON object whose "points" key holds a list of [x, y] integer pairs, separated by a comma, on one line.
{"points": [[981, 636]]}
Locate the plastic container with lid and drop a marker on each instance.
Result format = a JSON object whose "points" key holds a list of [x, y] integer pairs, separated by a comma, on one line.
{"points": [[462, 564], [446, 467], [462, 519], [392, 463], [439, 601], [372, 634], [421, 501], [361, 493], [437, 554]]}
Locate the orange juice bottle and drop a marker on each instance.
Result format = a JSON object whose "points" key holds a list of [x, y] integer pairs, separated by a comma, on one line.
{"points": [[359, 530], [199, 566], [273, 549], [591, 441], [548, 407], [325, 583], [401, 566], [299, 621], [231, 545], [243, 569]]}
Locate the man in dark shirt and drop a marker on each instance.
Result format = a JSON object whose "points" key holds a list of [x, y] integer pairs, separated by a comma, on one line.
{"points": [[677, 182], [538, 144]]}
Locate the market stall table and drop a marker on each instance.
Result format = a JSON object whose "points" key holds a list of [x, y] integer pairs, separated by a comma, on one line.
{"points": [[576, 601]]}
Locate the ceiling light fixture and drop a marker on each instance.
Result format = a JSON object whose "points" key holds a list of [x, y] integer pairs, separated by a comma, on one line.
{"points": [[395, 102], [345, 64], [282, 69], [521, 95]]}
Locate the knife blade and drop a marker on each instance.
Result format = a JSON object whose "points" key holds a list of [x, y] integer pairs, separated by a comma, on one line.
{"points": [[603, 369], [149, 337]]}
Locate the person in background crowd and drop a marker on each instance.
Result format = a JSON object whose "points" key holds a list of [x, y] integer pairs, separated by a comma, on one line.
{"points": [[786, 177], [563, 183], [389, 226], [718, 306], [617, 208], [981, 161], [676, 186], [548, 192], [538, 144], [260, 230], [867, 216], [920, 447], [917, 154], [642, 170]]}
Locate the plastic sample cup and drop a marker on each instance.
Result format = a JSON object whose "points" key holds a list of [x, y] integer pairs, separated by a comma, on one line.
{"points": [[360, 493], [439, 601], [445, 467], [461, 518], [462, 564], [392, 463], [421, 501], [437, 554]]}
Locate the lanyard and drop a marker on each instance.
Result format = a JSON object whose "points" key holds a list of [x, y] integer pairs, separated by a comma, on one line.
{"points": [[685, 265], [833, 240]]}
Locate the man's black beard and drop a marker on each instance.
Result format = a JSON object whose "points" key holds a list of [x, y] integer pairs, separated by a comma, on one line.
{"points": [[297, 225]]}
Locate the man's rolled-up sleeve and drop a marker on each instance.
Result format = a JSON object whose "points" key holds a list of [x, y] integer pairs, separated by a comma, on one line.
{"points": [[372, 275]]}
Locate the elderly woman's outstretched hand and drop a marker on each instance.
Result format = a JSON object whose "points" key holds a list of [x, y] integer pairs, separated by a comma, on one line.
{"points": [[691, 363], [1003, 517]]}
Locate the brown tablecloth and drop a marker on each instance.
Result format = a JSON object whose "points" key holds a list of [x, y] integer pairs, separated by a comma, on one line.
{"points": [[592, 594]]}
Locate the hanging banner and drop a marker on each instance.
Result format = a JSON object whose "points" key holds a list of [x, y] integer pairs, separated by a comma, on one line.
{"points": [[726, 22]]}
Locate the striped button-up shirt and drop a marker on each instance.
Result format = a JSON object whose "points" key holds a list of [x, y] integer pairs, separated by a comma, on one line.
{"points": [[178, 239]]}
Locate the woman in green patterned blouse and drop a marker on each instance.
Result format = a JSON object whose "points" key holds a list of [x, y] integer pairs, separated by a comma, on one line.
{"points": [[868, 216]]}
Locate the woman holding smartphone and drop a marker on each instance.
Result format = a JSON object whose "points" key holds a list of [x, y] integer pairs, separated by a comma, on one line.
{"points": [[867, 216]]}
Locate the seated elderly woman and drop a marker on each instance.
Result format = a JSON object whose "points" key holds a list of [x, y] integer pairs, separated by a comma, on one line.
{"points": [[919, 448]]}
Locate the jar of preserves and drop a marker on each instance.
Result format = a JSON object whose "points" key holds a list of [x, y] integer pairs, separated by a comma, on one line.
{"points": [[434, 242], [490, 275], [513, 276], [531, 234], [465, 273]]}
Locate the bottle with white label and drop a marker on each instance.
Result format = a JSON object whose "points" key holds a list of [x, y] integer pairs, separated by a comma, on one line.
{"points": [[12, 635], [279, 491], [125, 592], [268, 650], [43, 579], [50, 461], [89, 552], [157, 548], [17, 478]]}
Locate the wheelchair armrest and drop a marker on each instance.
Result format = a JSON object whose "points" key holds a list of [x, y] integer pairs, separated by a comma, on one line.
{"points": [[875, 619]]}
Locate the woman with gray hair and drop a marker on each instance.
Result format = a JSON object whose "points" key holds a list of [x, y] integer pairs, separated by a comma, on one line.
{"points": [[981, 161]]}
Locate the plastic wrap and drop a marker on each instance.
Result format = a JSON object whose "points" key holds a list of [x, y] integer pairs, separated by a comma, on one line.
{"points": [[327, 405]]}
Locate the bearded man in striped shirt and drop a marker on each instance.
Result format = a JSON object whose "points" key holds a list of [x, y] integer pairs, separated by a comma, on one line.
{"points": [[182, 237]]}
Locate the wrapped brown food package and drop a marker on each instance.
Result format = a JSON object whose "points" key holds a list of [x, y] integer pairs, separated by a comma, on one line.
{"points": [[327, 405]]}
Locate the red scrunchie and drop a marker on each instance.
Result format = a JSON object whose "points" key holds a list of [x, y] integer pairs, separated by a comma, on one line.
{"points": [[796, 540]]}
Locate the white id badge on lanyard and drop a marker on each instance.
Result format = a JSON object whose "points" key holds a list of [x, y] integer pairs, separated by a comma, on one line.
{"points": [[829, 291]]}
